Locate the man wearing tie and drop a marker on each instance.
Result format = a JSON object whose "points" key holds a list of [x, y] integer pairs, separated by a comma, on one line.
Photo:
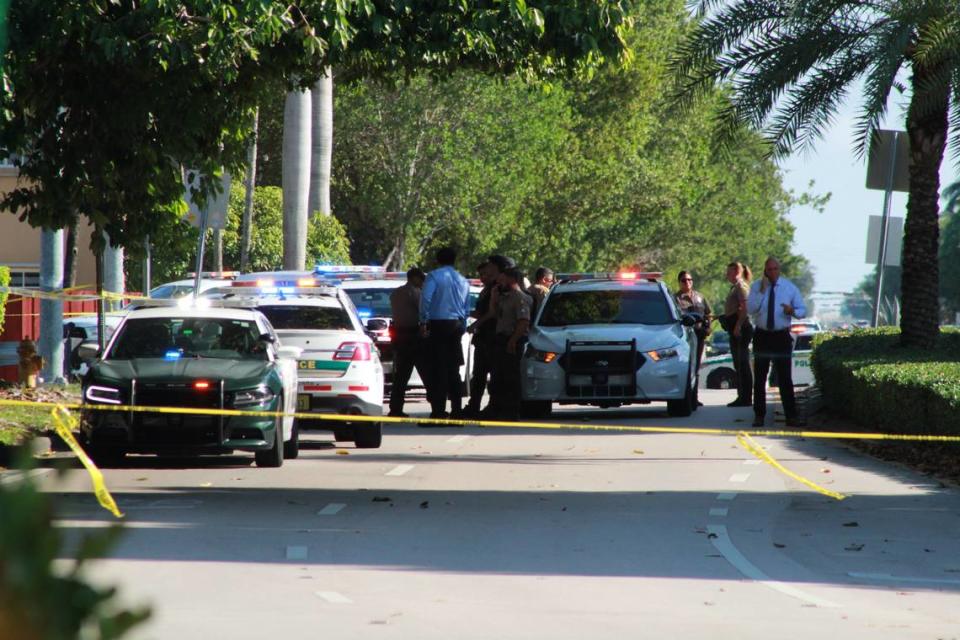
{"points": [[773, 303]]}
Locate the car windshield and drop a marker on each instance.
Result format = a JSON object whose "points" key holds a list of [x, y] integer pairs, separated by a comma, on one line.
{"points": [[171, 291], [372, 303], [615, 306], [307, 317], [175, 338]]}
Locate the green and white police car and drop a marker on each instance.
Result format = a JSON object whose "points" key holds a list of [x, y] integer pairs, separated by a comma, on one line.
{"points": [[716, 372]]}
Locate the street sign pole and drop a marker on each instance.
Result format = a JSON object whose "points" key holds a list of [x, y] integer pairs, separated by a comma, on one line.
{"points": [[201, 244], [887, 204], [146, 267]]}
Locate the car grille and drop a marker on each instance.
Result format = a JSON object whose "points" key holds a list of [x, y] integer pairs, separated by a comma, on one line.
{"points": [[601, 369], [177, 428]]}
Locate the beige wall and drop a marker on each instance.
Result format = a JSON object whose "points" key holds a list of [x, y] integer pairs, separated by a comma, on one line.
{"points": [[20, 243]]}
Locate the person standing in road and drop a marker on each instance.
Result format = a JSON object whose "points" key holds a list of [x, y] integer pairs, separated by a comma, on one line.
{"points": [[513, 321], [737, 323], [405, 338], [483, 330], [774, 302], [691, 301], [542, 281], [444, 305]]}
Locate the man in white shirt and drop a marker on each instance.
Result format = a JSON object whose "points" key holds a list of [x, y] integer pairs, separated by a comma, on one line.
{"points": [[773, 303]]}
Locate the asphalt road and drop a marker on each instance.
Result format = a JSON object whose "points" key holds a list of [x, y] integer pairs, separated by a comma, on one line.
{"points": [[516, 533]]}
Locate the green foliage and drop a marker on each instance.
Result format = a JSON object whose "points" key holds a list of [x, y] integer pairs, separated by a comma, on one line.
{"points": [[868, 376], [4, 282], [949, 262], [860, 304], [41, 601], [182, 82]]}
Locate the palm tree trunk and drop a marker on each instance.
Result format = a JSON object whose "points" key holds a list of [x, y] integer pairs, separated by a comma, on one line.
{"points": [[296, 178], [246, 223], [70, 255], [322, 145], [927, 127], [51, 311]]}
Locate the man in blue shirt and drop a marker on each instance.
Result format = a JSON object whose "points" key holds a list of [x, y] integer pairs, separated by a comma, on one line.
{"points": [[444, 306], [773, 303]]}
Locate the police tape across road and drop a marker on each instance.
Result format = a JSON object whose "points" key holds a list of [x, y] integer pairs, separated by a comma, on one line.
{"points": [[65, 424]]}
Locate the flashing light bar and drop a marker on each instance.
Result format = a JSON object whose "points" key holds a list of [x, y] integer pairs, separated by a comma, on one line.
{"points": [[201, 385], [650, 276], [215, 275], [347, 268]]}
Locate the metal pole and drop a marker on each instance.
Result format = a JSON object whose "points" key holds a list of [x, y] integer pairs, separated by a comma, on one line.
{"points": [[201, 244], [885, 222], [147, 276]]}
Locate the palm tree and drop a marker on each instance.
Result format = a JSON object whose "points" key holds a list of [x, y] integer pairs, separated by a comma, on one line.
{"points": [[788, 65], [296, 177], [322, 144]]}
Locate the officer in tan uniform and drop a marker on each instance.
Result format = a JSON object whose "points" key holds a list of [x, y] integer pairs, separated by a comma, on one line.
{"points": [[736, 321], [513, 321], [692, 301], [542, 281], [405, 338]]}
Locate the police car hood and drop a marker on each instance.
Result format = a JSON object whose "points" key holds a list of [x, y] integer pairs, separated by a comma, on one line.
{"points": [[648, 337], [182, 369]]}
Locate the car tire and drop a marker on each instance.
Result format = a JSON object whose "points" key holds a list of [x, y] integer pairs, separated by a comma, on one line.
{"points": [[722, 379], [291, 448], [536, 409], [272, 457], [106, 457], [684, 407], [368, 435], [343, 435]]}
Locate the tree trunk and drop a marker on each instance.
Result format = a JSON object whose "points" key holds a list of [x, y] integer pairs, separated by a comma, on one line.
{"points": [[927, 127], [250, 184], [218, 250], [322, 145], [51, 311], [70, 255], [296, 178]]}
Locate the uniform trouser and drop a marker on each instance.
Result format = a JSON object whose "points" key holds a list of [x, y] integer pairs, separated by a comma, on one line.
{"points": [[740, 352], [407, 354], [444, 355], [776, 348], [505, 378], [482, 357], [701, 343]]}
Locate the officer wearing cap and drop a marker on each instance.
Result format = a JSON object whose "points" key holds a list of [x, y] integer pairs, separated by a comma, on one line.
{"points": [[513, 321]]}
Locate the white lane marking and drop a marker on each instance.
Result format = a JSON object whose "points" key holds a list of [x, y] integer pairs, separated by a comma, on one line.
{"points": [[296, 553], [739, 477], [333, 597], [722, 543], [459, 438], [331, 509], [719, 511], [399, 470], [892, 578], [10, 477], [726, 496], [751, 462]]}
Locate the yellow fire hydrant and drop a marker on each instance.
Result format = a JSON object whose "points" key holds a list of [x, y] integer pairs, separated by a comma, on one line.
{"points": [[29, 365]]}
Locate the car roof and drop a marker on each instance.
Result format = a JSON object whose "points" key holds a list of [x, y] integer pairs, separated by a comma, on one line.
{"points": [[330, 302], [348, 285], [608, 285], [179, 312]]}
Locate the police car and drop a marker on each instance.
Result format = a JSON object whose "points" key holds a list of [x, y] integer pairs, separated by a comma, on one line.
{"points": [[339, 368], [717, 372], [608, 340]]}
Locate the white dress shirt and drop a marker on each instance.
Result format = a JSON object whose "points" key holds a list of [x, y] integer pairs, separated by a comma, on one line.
{"points": [[783, 292]]}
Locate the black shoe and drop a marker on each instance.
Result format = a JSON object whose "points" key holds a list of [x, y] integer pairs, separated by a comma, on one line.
{"points": [[758, 421], [794, 422], [439, 415], [397, 414], [740, 403], [457, 414], [699, 404]]}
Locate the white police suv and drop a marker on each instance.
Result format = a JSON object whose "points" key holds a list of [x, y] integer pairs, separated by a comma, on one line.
{"points": [[609, 340], [339, 368]]}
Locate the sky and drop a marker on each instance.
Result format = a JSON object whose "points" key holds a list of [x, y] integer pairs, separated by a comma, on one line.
{"points": [[835, 240]]}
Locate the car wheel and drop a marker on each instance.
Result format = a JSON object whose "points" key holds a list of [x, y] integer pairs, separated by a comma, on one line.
{"points": [[722, 379], [272, 457], [291, 448], [536, 409], [368, 435], [683, 407], [106, 457], [343, 435]]}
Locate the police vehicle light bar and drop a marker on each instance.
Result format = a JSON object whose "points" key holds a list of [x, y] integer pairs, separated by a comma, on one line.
{"points": [[347, 268], [650, 276]]}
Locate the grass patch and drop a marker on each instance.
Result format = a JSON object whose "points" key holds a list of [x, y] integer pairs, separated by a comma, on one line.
{"points": [[19, 423]]}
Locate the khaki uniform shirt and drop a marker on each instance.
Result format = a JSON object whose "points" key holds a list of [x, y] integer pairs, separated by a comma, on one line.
{"points": [[538, 292], [512, 306], [405, 306], [738, 294]]}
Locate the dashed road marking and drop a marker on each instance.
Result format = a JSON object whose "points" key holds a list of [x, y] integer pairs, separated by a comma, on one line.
{"points": [[739, 477], [754, 461], [333, 597], [399, 470], [886, 577], [459, 438], [296, 553], [726, 496], [722, 543], [331, 509], [719, 511]]}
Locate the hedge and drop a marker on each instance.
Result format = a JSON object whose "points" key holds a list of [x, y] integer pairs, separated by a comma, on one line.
{"points": [[869, 377]]}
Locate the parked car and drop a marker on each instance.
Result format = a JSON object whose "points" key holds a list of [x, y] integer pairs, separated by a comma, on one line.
{"points": [[716, 372]]}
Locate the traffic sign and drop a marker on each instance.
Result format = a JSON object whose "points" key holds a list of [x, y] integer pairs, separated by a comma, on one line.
{"points": [[216, 205]]}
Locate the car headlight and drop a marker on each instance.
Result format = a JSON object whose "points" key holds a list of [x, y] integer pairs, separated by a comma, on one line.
{"points": [[541, 356], [102, 394], [253, 397], [662, 354]]}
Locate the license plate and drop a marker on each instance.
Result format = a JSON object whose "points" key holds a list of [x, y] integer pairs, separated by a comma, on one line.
{"points": [[303, 402]]}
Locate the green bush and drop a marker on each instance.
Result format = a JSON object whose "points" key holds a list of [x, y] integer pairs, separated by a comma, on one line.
{"points": [[4, 282], [868, 376]]}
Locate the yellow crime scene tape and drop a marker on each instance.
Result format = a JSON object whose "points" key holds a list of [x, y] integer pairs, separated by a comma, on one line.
{"points": [[65, 423], [65, 295]]}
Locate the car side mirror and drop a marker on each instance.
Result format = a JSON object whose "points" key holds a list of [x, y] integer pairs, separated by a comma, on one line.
{"points": [[88, 351], [266, 337], [376, 324], [689, 320]]}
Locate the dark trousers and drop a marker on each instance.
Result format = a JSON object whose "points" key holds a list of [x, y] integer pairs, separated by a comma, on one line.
{"points": [[443, 357], [776, 348], [505, 378], [407, 354], [701, 343], [482, 361], [740, 352]]}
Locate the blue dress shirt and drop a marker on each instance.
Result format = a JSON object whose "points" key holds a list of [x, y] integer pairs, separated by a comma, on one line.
{"points": [[784, 292], [445, 296]]}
